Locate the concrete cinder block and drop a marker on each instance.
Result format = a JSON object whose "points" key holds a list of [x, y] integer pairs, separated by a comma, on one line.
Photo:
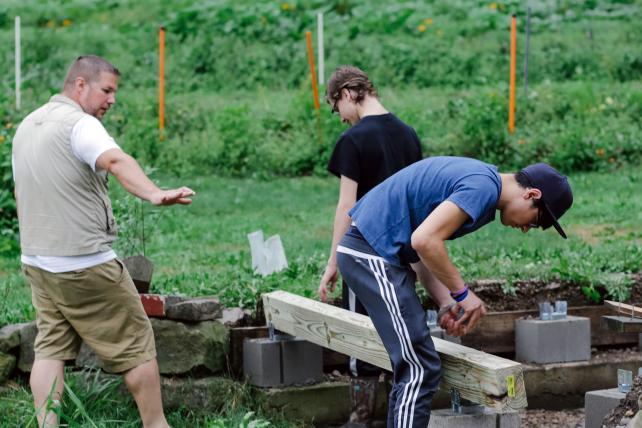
{"points": [[437, 332], [598, 403], [302, 362], [508, 420], [440, 333], [282, 362], [262, 361], [473, 418], [554, 341]]}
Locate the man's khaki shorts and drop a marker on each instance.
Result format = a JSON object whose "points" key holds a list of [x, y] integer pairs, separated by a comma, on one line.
{"points": [[98, 305]]}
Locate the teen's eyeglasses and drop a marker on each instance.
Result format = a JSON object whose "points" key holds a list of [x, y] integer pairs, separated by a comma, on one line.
{"points": [[538, 221]]}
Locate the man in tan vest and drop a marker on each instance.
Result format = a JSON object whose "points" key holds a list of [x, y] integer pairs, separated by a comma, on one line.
{"points": [[62, 155]]}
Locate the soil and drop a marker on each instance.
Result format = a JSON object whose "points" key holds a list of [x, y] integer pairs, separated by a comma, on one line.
{"points": [[572, 418], [621, 415], [529, 293]]}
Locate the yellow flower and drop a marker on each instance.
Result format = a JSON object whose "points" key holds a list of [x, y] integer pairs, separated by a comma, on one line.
{"points": [[8, 125], [285, 6], [66, 22], [428, 21], [50, 24], [421, 28], [493, 6], [599, 152], [1, 138]]}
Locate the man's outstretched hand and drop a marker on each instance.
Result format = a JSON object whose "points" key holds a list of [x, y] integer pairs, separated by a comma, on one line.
{"points": [[173, 196]]}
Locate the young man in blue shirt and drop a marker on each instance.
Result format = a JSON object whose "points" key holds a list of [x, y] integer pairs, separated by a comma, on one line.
{"points": [[400, 227]]}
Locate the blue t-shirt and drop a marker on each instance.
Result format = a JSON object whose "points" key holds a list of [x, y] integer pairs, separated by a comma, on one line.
{"points": [[389, 213]]}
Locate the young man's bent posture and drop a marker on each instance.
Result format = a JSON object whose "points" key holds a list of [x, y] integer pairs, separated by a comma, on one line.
{"points": [[405, 221]]}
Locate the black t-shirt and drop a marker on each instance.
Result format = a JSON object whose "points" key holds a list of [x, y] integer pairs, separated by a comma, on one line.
{"points": [[374, 149]]}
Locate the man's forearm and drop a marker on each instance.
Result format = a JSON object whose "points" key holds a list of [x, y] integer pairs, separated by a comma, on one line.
{"points": [[341, 225], [436, 259], [131, 176], [439, 293]]}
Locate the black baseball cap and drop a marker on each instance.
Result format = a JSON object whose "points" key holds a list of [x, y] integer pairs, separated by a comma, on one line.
{"points": [[557, 196]]}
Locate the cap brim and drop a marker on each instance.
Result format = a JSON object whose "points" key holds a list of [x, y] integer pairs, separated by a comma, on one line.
{"points": [[550, 220]]}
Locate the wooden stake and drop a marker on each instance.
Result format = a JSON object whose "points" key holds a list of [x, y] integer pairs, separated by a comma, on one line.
{"points": [[161, 83], [315, 88], [18, 63], [513, 66], [482, 378], [320, 49]]}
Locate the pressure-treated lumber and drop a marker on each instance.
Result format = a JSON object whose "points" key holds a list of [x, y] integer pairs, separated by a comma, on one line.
{"points": [[624, 309], [479, 377], [622, 324]]}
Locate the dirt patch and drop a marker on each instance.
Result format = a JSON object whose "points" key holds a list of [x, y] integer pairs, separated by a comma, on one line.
{"points": [[529, 293], [572, 418]]}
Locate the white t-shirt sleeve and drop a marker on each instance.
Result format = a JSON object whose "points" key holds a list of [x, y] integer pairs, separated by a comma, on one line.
{"points": [[89, 139]]}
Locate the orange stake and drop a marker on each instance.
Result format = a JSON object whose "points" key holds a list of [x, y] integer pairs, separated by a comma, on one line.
{"points": [[161, 82], [513, 67], [315, 88]]}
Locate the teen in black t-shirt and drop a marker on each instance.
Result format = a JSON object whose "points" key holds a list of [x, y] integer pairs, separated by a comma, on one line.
{"points": [[376, 146]]}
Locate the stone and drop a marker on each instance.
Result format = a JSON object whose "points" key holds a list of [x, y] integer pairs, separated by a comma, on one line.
{"points": [[597, 404], [7, 365], [87, 358], [233, 317], [154, 304], [323, 404], [553, 341], [198, 309], [28, 332], [10, 337], [473, 417], [204, 395], [140, 268], [186, 347]]}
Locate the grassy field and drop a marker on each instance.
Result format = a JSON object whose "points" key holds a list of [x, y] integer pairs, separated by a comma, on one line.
{"points": [[203, 249], [242, 131]]}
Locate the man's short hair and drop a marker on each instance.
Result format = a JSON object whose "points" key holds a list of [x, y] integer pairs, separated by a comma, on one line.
{"points": [[89, 68], [349, 77]]}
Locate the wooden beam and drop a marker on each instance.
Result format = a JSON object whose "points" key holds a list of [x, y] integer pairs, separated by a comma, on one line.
{"points": [[479, 377], [622, 324], [624, 309]]}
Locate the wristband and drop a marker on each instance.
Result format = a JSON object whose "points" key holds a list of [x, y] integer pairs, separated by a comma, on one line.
{"points": [[455, 294], [462, 296]]}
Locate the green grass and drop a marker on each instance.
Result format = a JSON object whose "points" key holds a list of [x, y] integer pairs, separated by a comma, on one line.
{"points": [[203, 249], [94, 401]]}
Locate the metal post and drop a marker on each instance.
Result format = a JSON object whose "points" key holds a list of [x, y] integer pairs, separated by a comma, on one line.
{"points": [[18, 61], [528, 41]]}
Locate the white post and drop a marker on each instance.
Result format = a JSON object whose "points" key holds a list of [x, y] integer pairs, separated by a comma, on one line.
{"points": [[320, 45], [18, 62]]}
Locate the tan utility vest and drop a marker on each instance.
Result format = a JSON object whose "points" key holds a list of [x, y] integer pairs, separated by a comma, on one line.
{"points": [[63, 205]]}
